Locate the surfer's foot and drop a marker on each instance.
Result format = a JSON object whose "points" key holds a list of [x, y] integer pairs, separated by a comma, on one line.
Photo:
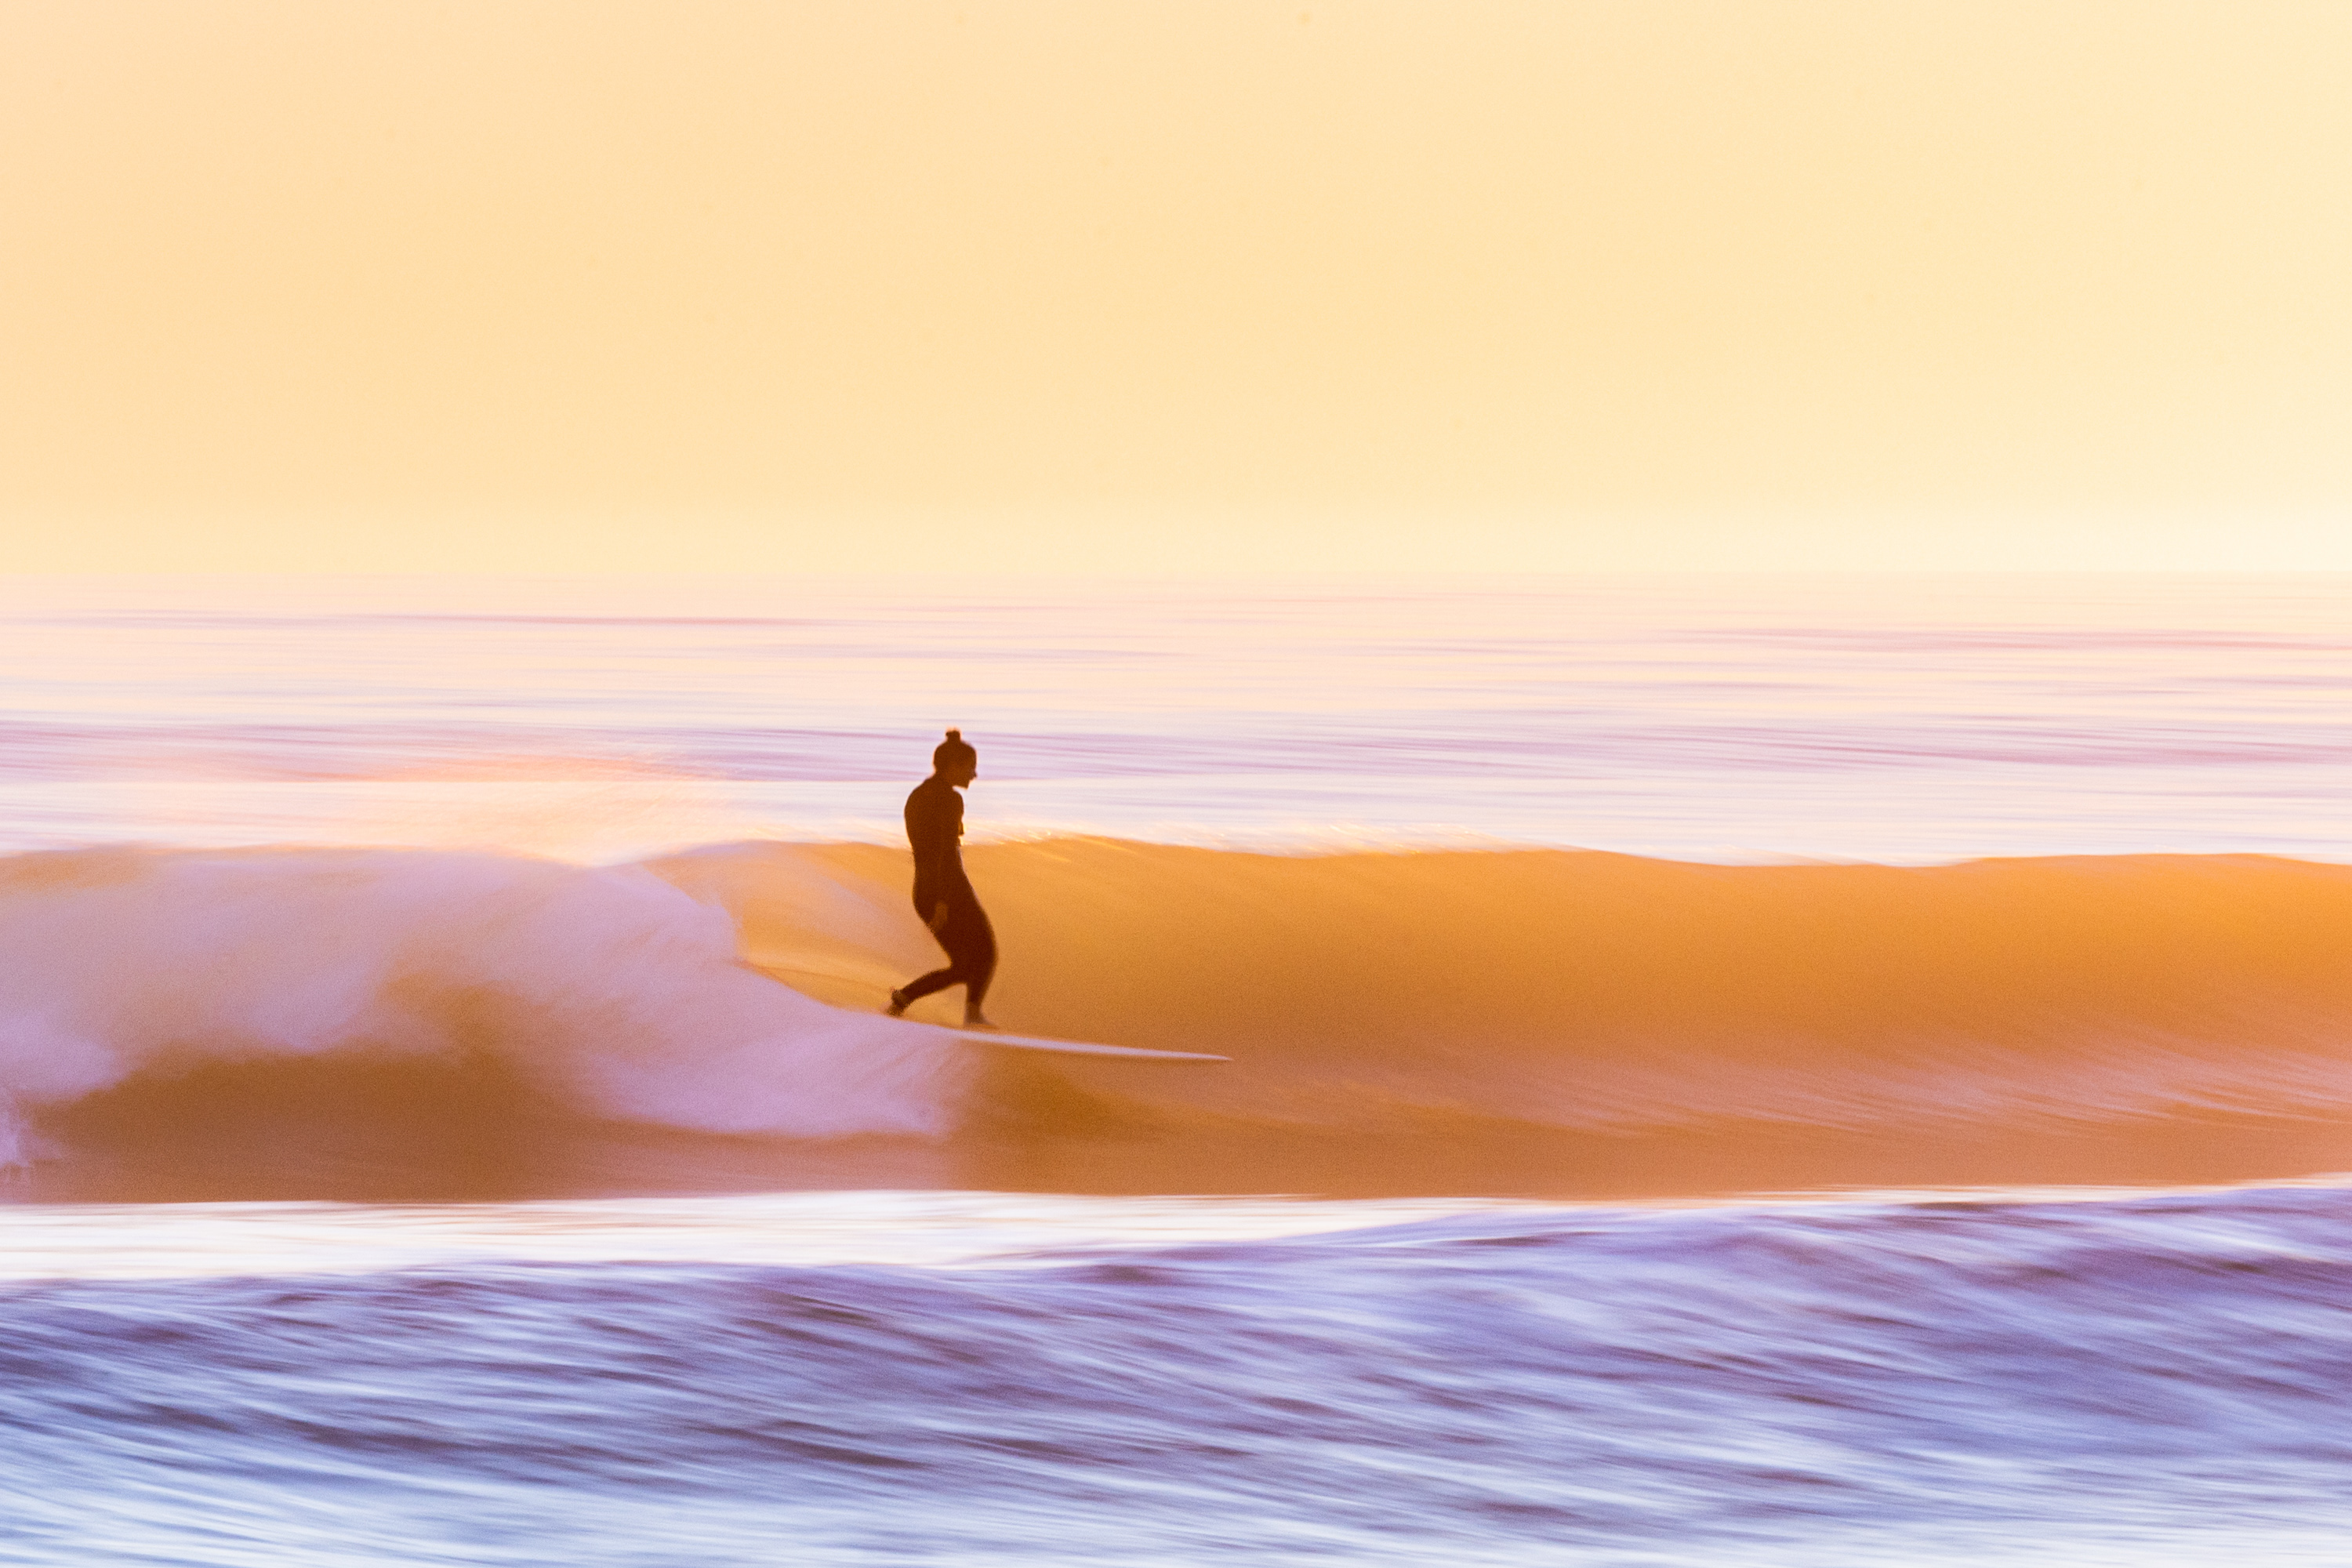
{"points": [[977, 1021], [898, 1000]]}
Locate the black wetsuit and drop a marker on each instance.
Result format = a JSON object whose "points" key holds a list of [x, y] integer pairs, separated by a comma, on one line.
{"points": [[935, 829]]}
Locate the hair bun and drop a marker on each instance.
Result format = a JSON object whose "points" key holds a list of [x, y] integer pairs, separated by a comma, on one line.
{"points": [[954, 748]]}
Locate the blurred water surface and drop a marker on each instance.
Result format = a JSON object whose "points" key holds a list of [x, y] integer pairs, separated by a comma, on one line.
{"points": [[1939, 1380], [974, 1378], [1902, 719]]}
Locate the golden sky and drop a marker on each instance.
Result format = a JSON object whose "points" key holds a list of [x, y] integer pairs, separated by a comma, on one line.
{"points": [[1174, 284]]}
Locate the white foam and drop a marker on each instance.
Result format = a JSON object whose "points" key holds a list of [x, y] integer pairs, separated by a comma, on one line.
{"points": [[924, 1229], [608, 985]]}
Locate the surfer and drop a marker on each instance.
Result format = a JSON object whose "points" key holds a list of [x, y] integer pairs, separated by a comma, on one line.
{"points": [[943, 895]]}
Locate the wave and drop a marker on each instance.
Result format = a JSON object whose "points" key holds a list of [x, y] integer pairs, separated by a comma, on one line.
{"points": [[1610, 991], [1467, 1008], [2152, 1382], [607, 990]]}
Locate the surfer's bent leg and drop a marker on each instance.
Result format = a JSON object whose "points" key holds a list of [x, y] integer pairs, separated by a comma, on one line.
{"points": [[971, 946], [917, 989]]}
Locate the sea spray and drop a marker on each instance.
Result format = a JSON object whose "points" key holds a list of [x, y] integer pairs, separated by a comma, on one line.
{"points": [[609, 989]]}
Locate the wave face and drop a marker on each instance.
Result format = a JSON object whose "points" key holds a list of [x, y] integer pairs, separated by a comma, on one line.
{"points": [[1534, 1021], [1605, 993], [2152, 1382]]}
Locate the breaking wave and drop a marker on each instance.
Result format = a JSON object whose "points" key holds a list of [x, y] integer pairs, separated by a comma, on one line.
{"points": [[610, 991], [1376, 1003]]}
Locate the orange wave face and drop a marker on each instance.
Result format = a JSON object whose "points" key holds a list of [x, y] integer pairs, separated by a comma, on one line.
{"points": [[1554, 1021], [324, 1023]]}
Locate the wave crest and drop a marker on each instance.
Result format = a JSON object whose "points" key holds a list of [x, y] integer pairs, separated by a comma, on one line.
{"points": [[610, 990], [1470, 1003]]}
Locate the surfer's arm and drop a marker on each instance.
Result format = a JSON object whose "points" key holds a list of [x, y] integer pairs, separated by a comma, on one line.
{"points": [[949, 893]]}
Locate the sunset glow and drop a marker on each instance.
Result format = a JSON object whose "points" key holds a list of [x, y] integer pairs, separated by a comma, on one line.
{"points": [[720, 286], [1111, 784]]}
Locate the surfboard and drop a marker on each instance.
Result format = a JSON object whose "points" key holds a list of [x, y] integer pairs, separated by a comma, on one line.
{"points": [[1079, 1047]]}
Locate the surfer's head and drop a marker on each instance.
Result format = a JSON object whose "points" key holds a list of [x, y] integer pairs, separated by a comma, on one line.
{"points": [[954, 760]]}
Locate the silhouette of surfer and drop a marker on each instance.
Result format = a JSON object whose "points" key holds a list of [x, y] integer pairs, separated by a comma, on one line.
{"points": [[943, 895]]}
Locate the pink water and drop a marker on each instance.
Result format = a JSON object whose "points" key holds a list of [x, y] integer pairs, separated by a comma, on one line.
{"points": [[1904, 720]]}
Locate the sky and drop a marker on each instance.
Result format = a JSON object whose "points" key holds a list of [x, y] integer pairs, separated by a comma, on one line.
{"points": [[1174, 285]]}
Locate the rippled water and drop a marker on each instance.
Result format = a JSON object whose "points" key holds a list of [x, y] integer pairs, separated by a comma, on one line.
{"points": [[1890, 719], [2153, 1380], [693, 1365]]}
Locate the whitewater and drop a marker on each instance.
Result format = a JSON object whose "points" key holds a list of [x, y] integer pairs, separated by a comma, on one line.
{"points": [[1805, 1070]]}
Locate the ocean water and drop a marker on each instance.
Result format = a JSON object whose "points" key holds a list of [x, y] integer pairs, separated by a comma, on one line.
{"points": [[1885, 719], [1778, 1070]]}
